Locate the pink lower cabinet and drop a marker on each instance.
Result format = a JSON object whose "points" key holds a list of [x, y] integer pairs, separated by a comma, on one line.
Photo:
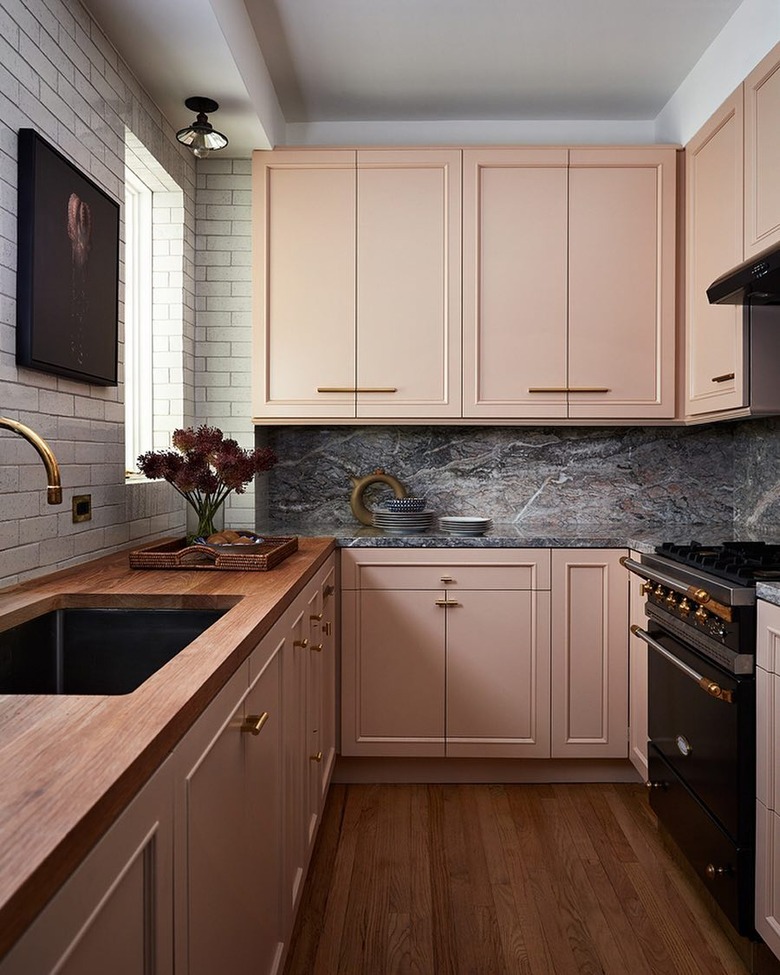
{"points": [[228, 821], [445, 652], [589, 654], [767, 778], [114, 914]]}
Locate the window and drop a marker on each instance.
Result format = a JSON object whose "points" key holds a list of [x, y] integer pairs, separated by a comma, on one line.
{"points": [[154, 306]]}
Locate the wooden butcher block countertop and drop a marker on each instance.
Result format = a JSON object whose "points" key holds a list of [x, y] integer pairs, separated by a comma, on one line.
{"points": [[70, 764]]}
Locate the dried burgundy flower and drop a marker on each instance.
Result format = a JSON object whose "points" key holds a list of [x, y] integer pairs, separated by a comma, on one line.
{"points": [[207, 468]]}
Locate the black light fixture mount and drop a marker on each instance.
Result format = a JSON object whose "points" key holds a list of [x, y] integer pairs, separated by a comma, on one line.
{"points": [[200, 137]]}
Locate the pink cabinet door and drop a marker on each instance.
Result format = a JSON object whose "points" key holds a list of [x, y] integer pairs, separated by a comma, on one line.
{"points": [[393, 669], [498, 674], [408, 283], [762, 155], [589, 654], [622, 218], [515, 282], [713, 242], [768, 876], [228, 821], [637, 678], [304, 283]]}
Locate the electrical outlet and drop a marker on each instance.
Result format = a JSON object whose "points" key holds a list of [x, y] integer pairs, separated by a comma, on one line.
{"points": [[82, 507]]}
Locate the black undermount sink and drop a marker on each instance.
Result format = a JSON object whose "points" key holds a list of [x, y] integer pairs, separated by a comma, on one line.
{"points": [[95, 651]]}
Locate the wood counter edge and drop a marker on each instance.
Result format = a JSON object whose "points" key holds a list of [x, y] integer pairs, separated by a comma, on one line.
{"points": [[36, 889]]}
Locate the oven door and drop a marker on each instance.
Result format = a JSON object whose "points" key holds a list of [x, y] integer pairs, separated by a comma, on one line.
{"points": [[708, 740]]}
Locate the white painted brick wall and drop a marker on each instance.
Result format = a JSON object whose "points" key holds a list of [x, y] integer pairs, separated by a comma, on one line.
{"points": [[61, 76], [223, 334]]}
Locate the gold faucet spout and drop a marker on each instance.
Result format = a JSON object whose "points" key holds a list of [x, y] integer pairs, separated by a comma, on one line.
{"points": [[54, 488]]}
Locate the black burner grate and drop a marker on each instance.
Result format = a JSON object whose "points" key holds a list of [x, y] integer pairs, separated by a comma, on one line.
{"points": [[744, 563]]}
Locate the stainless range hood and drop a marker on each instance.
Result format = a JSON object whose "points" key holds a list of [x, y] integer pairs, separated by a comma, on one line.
{"points": [[756, 282]]}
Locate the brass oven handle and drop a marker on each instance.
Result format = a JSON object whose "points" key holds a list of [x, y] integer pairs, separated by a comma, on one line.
{"points": [[724, 378], [569, 389], [700, 596], [710, 686]]}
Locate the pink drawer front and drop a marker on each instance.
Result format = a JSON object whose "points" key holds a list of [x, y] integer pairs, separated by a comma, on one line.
{"points": [[445, 569]]}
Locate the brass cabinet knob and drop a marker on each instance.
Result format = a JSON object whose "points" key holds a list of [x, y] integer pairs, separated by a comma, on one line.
{"points": [[253, 723], [315, 617], [316, 758], [301, 643], [316, 647]]}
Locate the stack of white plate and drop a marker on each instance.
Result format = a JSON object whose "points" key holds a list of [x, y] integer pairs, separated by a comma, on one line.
{"points": [[464, 524], [404, 522]]}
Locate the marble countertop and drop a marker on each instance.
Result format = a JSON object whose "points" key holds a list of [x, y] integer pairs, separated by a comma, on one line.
{"points": [[640, 538], [769, 591]]}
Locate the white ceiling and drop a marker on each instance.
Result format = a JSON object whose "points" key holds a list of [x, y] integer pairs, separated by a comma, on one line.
{"points": [[380, 60]]}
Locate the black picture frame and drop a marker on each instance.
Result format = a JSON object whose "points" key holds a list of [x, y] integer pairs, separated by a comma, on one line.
{"points": [[67, 292]]}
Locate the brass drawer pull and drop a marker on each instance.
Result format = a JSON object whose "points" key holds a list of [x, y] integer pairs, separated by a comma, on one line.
{"points": [[253, 723], [724, 378], [569, 389], [357, 389], [447, 602]]}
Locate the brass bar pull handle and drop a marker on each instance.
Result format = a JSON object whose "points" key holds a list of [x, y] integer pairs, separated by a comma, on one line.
{"points": [[301, 643], [316, 648], [447, 602], [569, 389], [448, 579], [357, 389], [724, 378], [316, 758], [253, 723], [327, 628]]}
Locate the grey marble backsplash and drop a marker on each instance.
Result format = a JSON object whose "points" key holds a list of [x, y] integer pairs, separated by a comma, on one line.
{"points": [[757, 478], [576, 476]]}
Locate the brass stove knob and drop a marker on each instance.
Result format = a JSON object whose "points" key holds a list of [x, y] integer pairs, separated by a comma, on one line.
{"points": [[701, 614], [685, 606], [671, 599], [659, 590]]}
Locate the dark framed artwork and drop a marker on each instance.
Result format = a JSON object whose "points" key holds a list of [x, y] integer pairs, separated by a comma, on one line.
{"points": [[68, 268]]}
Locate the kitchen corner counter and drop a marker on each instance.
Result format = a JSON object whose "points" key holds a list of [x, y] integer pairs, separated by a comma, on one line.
{"points": [[504, 535], [70, 764], [769, 592]]}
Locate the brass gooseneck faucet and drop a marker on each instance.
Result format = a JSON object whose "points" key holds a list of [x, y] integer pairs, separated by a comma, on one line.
{"points": [[54, 489]]}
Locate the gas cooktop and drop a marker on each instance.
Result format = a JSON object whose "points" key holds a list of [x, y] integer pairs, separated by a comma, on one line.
{"points": [[743, 563]]}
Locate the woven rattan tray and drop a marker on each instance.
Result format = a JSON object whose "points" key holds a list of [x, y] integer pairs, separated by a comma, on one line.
{"points": [[179, 555]]}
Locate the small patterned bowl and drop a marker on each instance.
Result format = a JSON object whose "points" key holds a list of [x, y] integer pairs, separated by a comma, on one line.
{"points": [[405, 504]]}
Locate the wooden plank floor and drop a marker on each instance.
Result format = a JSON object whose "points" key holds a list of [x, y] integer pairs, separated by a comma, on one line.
{"points": [[498, 880]]}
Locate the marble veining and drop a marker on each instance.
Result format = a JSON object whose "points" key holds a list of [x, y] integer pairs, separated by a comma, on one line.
{"points": [[531, 478], [757, 478]]}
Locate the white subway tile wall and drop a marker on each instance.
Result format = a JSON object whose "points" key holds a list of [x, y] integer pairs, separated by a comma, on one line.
{"points": [[223, 333], [60, 75]]}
